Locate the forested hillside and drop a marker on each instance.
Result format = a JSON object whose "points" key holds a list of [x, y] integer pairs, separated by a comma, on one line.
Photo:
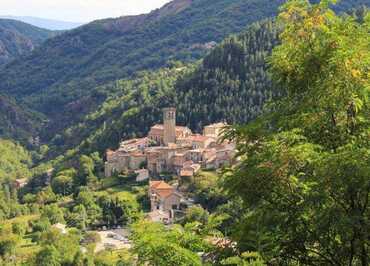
{"points": [[231, 84], [15, 161], [297, 193], [59, 77], [16, 121], [18, 38]]}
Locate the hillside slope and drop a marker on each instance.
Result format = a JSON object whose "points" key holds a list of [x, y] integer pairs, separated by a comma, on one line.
{"points": [[18, 38], [62, 78], [231, 84], [67, 67], [18, 122]]}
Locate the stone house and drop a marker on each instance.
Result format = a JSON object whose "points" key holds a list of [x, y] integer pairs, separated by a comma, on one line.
{"points": [[201, 142], [168, 147], [163, 196], [214, 130], [156, 133], [142, 175]]}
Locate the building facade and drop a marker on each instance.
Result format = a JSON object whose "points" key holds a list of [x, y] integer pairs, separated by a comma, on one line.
{"points": [[172, 149]]}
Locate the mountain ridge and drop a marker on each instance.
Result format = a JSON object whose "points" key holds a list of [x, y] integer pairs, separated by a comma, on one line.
{"points": [[63, 80], [19, 39], [67, 68], [50, 24]]}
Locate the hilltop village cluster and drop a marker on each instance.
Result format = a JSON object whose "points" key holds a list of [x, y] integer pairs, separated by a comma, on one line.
{"points": [[170, 149]]}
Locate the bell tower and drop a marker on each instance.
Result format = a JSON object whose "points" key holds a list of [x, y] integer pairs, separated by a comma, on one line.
{"points": [[169, 124]]}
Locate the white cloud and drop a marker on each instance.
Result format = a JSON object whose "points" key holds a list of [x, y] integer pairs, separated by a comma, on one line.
{"points": [[77, 10]]}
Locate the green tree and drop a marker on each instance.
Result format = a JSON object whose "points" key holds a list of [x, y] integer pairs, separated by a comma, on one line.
{"points": [[196, 214], [8, 244], [304, 174], [48, 256], [62, 184], [53, 213], [19, 228], [155, 245], [66, 244]]}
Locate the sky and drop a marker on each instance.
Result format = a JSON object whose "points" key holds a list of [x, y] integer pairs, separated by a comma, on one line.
{"points": [[77, 10]]}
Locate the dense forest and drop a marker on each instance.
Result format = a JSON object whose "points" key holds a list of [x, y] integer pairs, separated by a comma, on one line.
{"points": [[294, 88], [15, 161], [230, 84], [74, 63], [63, 76]]}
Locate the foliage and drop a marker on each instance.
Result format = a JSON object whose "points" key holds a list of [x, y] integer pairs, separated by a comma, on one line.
{"points": [[53, 213], [304, 170], [15, 161], [176, 246], [58, 248], [111, 49], [232, 82], [121, 208]]}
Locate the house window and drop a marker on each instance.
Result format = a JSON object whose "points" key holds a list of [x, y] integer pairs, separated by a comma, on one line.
{"points": [[174, 207]]}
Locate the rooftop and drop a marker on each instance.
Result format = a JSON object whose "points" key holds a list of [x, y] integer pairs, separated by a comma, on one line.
{"points": [[200, 138], [220, 124], [159, 185], [186, 173], [161, 127]]}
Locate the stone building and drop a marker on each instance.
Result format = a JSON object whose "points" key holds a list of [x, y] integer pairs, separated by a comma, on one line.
{"points": [[214, 130], [163, 196], [170, 148], [169, 124], [156, 133], [130, 156]]}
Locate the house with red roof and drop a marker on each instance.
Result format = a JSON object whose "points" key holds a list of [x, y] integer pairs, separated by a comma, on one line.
{"points": [[164, 199]]}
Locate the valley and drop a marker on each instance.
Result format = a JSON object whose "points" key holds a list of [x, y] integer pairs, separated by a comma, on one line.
{"points": [[202, 133]]}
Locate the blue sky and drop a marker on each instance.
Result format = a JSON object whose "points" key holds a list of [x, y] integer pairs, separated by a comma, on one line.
{"points": [[77, 10]]}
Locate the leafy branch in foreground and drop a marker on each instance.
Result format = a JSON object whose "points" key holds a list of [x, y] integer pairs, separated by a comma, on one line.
{"points": [[304, 172]]}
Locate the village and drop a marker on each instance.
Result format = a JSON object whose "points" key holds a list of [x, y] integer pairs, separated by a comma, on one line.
{"points": [[169, 148]]}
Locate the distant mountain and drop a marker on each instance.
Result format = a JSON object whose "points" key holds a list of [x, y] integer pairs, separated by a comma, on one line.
{"points": [[59, 78], [231, 84], [63, 78], [49, 24], [18, 38]]}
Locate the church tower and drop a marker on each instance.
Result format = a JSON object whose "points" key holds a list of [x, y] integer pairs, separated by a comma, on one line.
{"points": [[169, 124]]}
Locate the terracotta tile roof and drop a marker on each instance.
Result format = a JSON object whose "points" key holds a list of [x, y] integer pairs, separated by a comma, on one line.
{"points": [[160, 185], [186, 173], [163, 185], [211, 159], [153, 184], [187, 163], [200, 138]]}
